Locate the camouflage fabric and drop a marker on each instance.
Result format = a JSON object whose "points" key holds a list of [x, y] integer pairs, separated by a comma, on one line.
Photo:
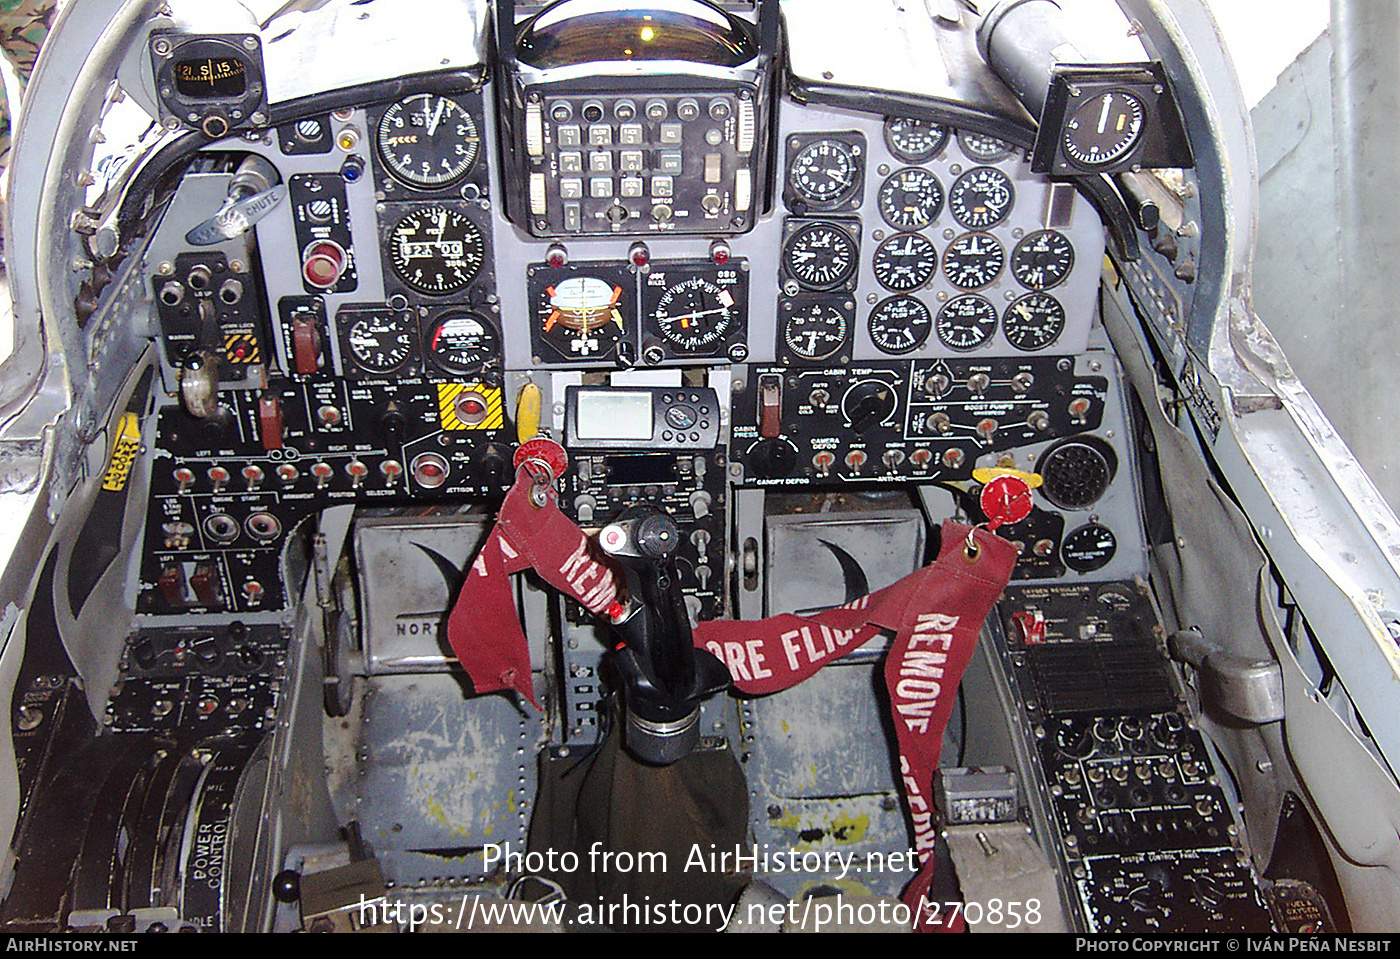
{"points": [[24, 24]]}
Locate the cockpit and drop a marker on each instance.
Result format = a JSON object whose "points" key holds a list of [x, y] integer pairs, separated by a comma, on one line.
{"points": [[477, 465]]}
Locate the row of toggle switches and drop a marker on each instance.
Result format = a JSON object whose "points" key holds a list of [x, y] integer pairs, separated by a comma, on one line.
{"points": [[254, 476]]}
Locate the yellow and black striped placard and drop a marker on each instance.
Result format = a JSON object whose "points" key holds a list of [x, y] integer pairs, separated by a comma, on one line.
{"points": [[447, 406]]}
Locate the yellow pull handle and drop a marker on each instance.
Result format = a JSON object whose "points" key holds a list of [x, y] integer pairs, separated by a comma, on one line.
{"points": [[529, 406], [986, 474]]}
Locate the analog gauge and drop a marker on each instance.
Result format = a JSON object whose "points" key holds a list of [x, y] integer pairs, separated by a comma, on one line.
{"points": [[816, 330], [428, 141], [695, 313], [1088, 548], [914, 141], [378, 342], [973, 260], [906, 261], [1042, 260], [899, 324], [911, 198], [966, 322], [462, 344], [435, 250], [1104, 129], [582, 317], [981, 198], [1033, 322], [981, 147], [825, 172], [820, 256]]}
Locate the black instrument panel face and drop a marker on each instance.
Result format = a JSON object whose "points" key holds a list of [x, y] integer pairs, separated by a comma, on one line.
{"points": [[825, 172]]}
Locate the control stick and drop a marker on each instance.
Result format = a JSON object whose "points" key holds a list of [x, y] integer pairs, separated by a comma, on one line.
{"points": [[665, 677]]}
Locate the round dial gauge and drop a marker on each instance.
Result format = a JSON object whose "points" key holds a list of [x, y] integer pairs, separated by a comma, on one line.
{"points": [[825, 172], [899, 324], [1042, 259], [906, 261], [379, 341], [815, 331], [911, 199], [966, 322], [695, 313], [583, 314], [1088, 548], [980, 146], [462, 344], [973, 260], [1034, 321], [981, 198], [435, 250], [428, 141], [914, 141], [1104, 129], [820, 256]]}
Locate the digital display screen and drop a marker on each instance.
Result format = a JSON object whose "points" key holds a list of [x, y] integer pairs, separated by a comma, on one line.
{"points": [[614, 415], [644, 469]]}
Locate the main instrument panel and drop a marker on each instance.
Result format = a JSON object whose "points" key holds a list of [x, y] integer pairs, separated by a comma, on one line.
{"points": [[729, 296]]}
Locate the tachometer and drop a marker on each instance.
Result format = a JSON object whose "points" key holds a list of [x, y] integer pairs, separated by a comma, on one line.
{"points": [[906, 261], [436, 250], [428, 141], [911, 199], [981, 198]]}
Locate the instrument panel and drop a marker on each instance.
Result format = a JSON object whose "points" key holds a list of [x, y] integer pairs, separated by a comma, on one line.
{"points": [[726, 302]]}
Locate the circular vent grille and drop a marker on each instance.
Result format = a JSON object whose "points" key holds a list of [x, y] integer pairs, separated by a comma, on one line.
{"points": [[1076, 473]]}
